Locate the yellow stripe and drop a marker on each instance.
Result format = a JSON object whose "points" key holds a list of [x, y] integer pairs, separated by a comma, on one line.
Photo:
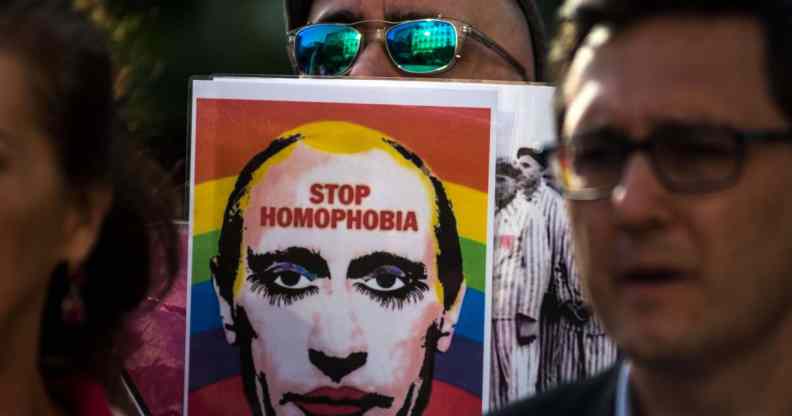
{"points": [[470, 207]]}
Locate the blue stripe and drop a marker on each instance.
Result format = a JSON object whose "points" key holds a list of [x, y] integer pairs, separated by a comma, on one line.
{"points": [[206, 365], [205, 312], [471, 318], [461, 366]]}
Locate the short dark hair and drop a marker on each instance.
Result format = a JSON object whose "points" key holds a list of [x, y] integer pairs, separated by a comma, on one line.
{"points": [[579, 17], [297, 15], [537, 155], [71, 78], [449, 255]]}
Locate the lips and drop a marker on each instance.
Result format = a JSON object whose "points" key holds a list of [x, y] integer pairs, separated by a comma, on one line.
{"points": [[343, 401], [651, 276]]}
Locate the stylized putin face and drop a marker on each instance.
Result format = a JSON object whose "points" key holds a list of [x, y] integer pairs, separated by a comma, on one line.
{"points": [[338, 278]]}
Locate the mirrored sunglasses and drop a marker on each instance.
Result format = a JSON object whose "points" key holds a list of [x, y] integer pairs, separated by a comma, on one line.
{"points": [[423, 46]]}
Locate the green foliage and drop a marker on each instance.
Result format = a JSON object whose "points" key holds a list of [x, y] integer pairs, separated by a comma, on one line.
{"points": [[159, 45]]}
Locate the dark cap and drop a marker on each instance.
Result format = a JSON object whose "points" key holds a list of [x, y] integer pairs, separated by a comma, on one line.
{"points": [[297, 15]]}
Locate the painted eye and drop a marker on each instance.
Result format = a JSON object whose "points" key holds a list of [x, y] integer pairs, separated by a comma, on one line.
{"points": [[291, 280], [385, 279], [291, 276]]}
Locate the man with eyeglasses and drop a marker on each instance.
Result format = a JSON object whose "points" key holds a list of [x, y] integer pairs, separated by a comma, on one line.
{"points": [[392, 38], [463, 39], [675, 154]]}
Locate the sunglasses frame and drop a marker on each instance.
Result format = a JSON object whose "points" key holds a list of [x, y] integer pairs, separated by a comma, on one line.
{"points": [[462, 30]]}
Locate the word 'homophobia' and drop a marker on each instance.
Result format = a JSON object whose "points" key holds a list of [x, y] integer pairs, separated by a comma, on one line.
{"points": [[351, 219], [333, 218]]}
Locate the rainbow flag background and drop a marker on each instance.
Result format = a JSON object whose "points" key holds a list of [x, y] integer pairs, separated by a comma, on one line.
{"points": [[454, 143]]}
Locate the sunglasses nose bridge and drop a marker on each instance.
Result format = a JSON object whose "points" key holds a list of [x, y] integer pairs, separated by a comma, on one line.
{"points": [[373, 61]]}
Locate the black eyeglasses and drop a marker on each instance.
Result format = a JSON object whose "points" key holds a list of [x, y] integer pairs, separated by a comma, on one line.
{"points": [[423, 46], [685, 158]]}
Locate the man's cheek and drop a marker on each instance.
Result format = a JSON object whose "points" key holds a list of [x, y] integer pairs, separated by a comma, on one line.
{"points": [[398, 347], [281, 343]]}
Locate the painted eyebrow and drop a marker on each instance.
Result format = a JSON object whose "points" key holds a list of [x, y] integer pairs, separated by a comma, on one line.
{"points": [[361, 266], [301, 256]]}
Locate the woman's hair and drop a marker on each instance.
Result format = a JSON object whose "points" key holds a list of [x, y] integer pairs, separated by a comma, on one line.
{"points": [[69, 69]]}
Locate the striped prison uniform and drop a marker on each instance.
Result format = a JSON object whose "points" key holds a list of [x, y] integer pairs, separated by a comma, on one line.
{"points": [[542, 334]]}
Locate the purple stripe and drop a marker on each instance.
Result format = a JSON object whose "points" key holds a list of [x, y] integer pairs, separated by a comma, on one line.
{"points": [[213, 360]]}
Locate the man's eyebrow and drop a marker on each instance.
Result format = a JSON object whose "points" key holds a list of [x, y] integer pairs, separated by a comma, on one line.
{"points": [[337, 16], [300, 256], [362, 266], [412, 14]]}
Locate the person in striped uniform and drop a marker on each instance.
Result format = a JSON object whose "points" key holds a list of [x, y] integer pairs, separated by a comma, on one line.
{"points": [[542, 332]]}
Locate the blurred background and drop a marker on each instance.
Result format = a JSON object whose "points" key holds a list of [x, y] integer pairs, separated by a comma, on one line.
{"points": [[159, 45]]}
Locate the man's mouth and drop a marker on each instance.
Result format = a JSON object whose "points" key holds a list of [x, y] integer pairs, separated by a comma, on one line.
{"points": [[330, 401], [652, 277]]}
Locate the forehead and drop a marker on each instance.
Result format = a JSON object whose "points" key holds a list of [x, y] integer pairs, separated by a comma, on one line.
{"points": [[17, 106], [404, 8], [671, 68], [380, 168], [371, 181]]}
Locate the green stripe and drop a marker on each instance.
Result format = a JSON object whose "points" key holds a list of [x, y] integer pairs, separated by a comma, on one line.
{"points": [[204, 247], [473, 258]]}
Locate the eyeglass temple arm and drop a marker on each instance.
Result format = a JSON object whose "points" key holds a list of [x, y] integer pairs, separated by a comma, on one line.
{"points": [[486, 41]]}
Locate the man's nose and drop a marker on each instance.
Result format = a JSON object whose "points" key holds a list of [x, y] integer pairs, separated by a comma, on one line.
{"points": [[640, 200], [374, 61], [336, 343], [337, 367]]}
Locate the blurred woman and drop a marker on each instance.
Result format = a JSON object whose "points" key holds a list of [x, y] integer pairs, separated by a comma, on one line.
{"points": [[82, 215]]}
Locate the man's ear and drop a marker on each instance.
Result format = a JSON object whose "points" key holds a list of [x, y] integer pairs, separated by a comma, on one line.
{"points": [[449, 320], [226, 307], [83, 221]]}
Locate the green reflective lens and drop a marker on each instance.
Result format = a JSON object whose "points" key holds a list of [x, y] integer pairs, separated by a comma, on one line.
{"points": [[423, 46], [326, 49]]}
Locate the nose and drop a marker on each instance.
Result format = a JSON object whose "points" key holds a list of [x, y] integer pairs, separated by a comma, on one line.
{"points": [[640, 201], [336, 343], [337, 367], [374, 61]]}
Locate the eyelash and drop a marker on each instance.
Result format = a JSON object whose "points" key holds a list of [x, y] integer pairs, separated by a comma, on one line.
{"points": [[263, 285], [412, 292], [279, 296]]}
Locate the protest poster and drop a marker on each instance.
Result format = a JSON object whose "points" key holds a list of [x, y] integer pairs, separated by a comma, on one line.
{"points": [[339, 247], [521, 325]]}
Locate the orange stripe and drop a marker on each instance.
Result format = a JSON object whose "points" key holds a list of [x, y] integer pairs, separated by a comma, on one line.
{"points": [[454, 142]]}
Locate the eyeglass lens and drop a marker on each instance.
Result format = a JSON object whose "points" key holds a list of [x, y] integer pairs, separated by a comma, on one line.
{"points": [[416, 47], [685, 158], [326, 49], [423, 46]]}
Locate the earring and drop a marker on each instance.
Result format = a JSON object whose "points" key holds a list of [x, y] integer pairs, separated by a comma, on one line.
{"points": [[72, 307]]}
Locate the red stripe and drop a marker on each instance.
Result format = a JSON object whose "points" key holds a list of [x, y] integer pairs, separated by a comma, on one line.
{"points": [[227, 398], [449, 400], [454, 142]]}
